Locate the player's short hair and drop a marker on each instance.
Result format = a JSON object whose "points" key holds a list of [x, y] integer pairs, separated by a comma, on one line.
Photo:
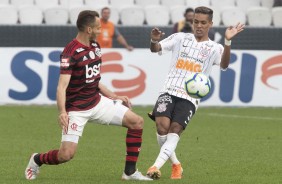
{"points": [[205, 10], [86, 18]]}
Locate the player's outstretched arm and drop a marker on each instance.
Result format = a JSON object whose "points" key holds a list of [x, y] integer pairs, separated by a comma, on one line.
{"points": [[229, 34], [156, 36]]}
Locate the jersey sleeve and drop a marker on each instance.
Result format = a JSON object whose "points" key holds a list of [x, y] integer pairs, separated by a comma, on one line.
{"points": [[168, 43], [66, 64]]}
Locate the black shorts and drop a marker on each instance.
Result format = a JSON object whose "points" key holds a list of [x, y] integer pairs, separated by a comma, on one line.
{"points": [[176, 109]]}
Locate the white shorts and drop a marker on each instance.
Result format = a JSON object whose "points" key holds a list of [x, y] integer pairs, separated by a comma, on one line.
{"points": [[107, 112]]}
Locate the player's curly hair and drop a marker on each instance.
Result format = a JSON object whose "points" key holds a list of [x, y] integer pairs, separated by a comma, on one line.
{"points": [[86, 18], [205, 10]]}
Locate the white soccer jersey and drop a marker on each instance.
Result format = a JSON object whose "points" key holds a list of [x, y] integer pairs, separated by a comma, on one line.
{"points": [[188, 55]]}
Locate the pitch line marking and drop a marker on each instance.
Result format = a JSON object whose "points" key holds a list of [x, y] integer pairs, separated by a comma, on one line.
{"points": [[247, 117]]}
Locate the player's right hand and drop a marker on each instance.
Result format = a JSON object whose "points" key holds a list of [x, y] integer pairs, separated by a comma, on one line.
{"points": [[63, 120], [156, 34]]}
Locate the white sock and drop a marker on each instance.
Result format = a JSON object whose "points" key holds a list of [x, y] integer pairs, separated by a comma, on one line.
{"points": [[161, 140], [167, 149]]}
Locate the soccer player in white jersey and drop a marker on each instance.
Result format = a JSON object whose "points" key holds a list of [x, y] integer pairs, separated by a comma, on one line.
{"points": [[174, 108]]}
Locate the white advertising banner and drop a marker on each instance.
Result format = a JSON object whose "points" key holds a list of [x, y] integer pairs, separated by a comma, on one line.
{"points": [[30, 76]]}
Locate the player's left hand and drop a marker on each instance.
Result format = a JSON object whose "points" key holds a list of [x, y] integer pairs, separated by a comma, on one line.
{"points": [[231, 31], [125, 101]]}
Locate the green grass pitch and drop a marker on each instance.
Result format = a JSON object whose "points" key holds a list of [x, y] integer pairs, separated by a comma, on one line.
{"points": [[220, 145]]}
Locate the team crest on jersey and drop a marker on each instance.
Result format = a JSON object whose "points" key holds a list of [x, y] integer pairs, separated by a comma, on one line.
{"points": [[162, 107], [91, 55], [205, 50], [80, 50], [98, 52]]}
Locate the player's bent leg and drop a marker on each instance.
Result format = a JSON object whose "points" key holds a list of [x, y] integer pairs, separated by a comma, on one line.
{"points": [[52, 157], [132, 120], [163, 125], [134, 123], [67, 151]]}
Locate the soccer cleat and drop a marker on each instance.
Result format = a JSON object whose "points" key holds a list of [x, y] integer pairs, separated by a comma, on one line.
{"points": [[32, 169], [154, 173], [135, 176], [176, 171]]}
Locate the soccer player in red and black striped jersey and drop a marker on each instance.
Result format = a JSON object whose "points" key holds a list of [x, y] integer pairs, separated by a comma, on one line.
{"points": [[81, 98]]}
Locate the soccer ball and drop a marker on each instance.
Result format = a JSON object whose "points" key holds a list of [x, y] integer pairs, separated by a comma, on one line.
{"points": [[197, 85]]}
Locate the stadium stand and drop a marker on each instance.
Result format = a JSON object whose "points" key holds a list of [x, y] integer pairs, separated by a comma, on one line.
{"points": [[19, 3], [216, 17], [245, 5], [8, 14], [70, 4], [276, 16], [267, 3], [232, 15], [196, 3], [132, 16], [4, 2], [30, 14], [56, 16], [219, 4], [174, 11], [259, 16], [170, 3], [97, 3], [144, 3], [157, 15], [73, 13], [121, 3], [177, 13], [43, 4]]}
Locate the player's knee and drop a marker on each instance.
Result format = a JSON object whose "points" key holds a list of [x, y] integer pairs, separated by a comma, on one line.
{"points": [[162, 131], [138, 123], [176, 128], [162, 128]]}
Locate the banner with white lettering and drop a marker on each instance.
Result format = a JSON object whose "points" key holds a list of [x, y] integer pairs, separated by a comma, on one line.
{"points": [[30, 76]]}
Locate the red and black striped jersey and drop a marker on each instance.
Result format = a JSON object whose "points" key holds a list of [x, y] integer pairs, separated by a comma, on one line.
{"points": [[83, 63]]}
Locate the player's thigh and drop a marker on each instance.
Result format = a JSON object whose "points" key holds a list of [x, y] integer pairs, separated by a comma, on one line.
{"points": [[76, 124], [108, 112], [183, 112], [132, 120], [163, 112], [163, 125]]}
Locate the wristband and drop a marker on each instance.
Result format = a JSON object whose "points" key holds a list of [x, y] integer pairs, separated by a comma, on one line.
{"points": [[227, 42], [152, 41]]}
